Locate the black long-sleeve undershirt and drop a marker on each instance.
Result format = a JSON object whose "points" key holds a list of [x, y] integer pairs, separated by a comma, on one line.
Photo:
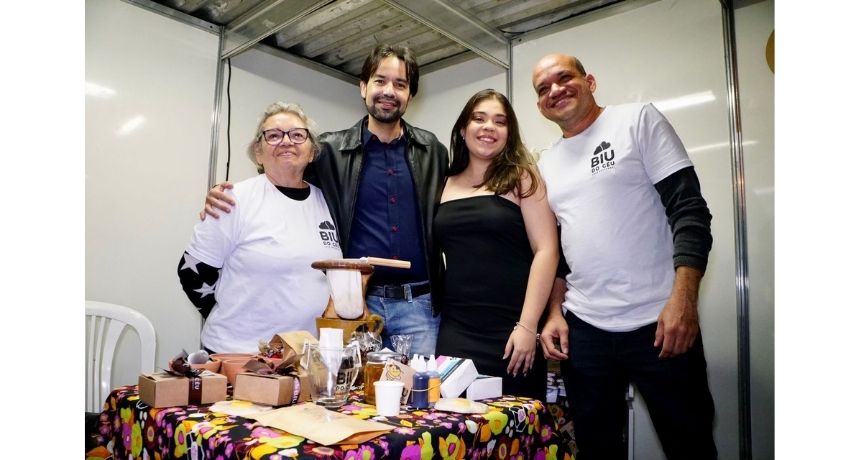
{"points": [[198, 280], [689, 218]]}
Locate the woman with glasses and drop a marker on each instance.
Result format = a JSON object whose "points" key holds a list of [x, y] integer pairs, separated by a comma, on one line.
{"points": [[249, 272]]}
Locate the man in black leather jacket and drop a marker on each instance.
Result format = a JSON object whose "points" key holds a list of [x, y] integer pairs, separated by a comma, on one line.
{"points": [[381, 179]]}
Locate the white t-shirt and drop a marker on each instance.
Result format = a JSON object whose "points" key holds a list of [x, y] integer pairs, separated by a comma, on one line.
{"points": [[265, 248], [614, 231]]}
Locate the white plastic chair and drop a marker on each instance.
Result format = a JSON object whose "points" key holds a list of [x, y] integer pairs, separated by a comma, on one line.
{"points": [[105, 322]]}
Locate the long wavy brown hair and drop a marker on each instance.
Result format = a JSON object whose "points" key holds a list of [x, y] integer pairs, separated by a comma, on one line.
{"points": [[508, 167]]}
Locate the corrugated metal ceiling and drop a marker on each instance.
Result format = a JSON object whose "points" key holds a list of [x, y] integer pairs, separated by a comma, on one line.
{"points": [[339, 34]]}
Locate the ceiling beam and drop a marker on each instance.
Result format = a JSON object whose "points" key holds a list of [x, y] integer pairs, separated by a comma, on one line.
{"points": [[265, 19], [459, 26], [176, 14]]}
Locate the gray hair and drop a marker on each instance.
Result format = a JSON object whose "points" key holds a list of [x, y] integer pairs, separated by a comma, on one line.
{"points": [[283, 107]]}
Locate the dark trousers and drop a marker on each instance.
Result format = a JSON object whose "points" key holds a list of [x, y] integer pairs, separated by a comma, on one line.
{"points": [[596, 376]]}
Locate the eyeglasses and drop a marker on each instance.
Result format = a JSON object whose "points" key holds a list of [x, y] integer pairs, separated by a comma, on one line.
{"points": [[274, 136]]}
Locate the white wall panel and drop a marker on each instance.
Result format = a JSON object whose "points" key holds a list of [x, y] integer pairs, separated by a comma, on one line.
{"points": [[260, 78], [147, 150], [151, 85]]}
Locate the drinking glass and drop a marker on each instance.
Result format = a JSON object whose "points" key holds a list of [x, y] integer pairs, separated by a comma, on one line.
{"points": [[332, 372]]}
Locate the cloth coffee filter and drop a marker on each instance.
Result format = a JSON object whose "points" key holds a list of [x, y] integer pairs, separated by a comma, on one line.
{"points": [[345, 286]]}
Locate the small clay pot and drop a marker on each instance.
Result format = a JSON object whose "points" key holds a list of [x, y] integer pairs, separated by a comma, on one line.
{"points": [[231, 368], [211, 365], [229, 356]]}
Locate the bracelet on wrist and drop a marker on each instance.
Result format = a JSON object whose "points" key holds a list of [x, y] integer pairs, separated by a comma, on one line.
{"points": [[537, 334]]}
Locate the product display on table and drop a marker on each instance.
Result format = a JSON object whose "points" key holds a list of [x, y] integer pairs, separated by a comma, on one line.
{"points": [[347, 293], [265, 383], [374, 367], [456, 374], [484, 387], [347, 280], [201, 360], [387, 399], [397, 371], [402, 344], [321, 425], [281, 342], [331, 370], [434, 382], [368, 342], [237, 407], [420, 383], [513, 426], [461, 406], [181, 385]]}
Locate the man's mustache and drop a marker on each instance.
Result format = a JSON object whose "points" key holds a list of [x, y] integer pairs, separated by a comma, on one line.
{"points": [[387, 99]]}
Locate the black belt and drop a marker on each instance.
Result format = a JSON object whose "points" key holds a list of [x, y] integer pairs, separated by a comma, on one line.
{"points": [[397, 291]]}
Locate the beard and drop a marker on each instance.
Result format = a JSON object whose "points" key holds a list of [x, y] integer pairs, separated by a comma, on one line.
{"points": [[385, 116]]}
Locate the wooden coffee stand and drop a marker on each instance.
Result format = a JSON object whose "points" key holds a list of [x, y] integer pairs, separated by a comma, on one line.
{"points": [[372, 322]]}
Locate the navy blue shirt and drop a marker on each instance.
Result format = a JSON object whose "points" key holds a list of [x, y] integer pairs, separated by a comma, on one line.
{"points": [[386, 222]]}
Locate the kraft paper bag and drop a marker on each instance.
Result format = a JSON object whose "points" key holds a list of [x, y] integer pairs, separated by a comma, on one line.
{"points": [[293, 339], [321, 425], [399, 372]]}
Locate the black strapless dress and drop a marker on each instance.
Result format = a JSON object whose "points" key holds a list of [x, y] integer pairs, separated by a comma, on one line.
{"points": [[488, 258]]}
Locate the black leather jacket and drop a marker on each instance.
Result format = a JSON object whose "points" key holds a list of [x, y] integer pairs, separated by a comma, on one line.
{"points": [[337, 172]]}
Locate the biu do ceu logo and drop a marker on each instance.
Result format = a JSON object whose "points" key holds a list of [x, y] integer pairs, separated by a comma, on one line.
{"points": [[329, 235], [603, 158]]}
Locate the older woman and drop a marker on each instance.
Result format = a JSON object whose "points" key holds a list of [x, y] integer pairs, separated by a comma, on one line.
{"points": [[249, 272], [498, 235]]}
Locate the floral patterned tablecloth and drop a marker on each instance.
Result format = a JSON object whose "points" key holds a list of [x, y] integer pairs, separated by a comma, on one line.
{"points": [[515, 427]]}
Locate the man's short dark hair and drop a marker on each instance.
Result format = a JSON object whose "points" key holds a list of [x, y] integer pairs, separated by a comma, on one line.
{"points": [[383, 51]]}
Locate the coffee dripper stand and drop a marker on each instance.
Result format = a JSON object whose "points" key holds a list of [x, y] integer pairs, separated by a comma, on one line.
{"points": [[330, 317], [371, 323]]}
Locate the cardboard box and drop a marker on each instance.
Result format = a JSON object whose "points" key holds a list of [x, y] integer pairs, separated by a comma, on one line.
{"points": [[484, 387], [272, 390], [456, 373], [165, 390]]}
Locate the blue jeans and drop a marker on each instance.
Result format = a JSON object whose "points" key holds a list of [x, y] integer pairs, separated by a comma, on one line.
{"points": [[407, 318], [596, 376]]}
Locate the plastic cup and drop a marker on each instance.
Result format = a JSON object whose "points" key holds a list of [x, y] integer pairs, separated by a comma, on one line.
{"points": [[388, 394]]}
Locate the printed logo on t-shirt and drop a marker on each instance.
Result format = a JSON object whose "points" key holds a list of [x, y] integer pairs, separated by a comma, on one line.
{"points": [[603, 158], [329, 235]]}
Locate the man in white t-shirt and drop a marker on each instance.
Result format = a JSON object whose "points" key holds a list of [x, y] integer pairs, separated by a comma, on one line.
{"points": [[635, 232]]}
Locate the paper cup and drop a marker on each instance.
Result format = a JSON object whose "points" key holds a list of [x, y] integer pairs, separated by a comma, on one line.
{"points": [[388, 397]]}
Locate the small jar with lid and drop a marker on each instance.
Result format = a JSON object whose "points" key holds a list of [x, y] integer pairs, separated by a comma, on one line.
{"points": [[373, 371]]}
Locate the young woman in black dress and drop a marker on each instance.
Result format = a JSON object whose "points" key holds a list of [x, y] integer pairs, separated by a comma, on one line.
{"points": [[499, 238]]}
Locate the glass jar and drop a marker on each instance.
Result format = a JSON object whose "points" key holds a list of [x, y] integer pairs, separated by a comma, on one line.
{"points": [[373, 371]]}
